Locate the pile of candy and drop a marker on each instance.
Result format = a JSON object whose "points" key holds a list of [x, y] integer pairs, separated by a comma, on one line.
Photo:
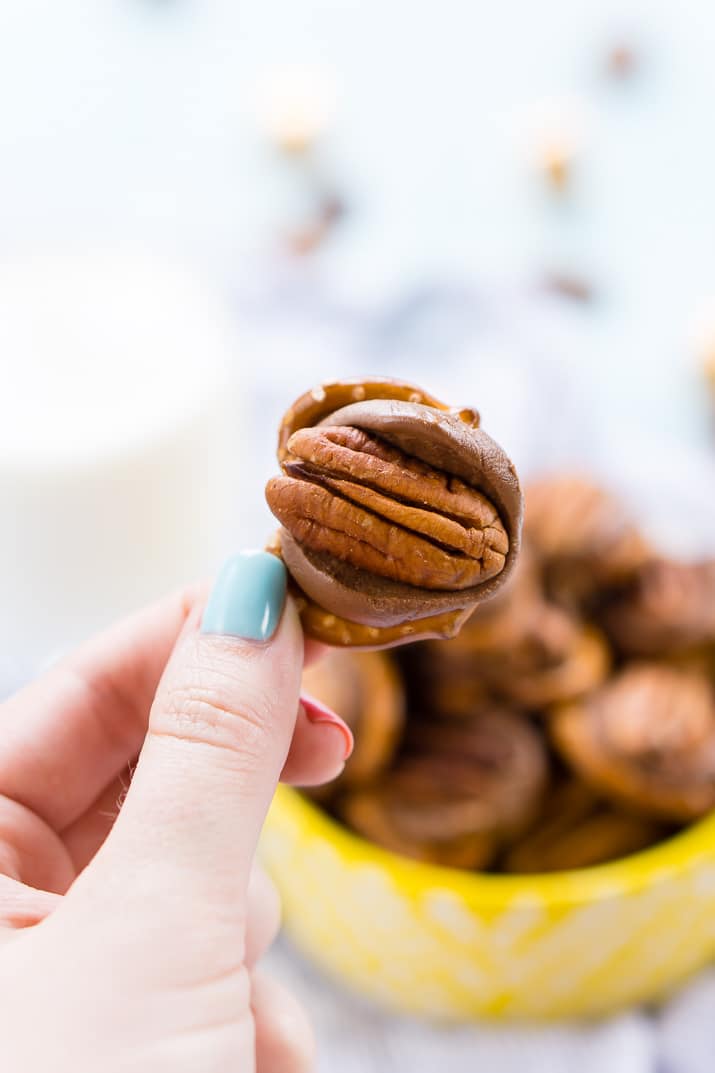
{"points": [[571, 722]]}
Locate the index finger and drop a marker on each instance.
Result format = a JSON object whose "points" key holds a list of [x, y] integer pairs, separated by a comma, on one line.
{"points": [[66, 736]]}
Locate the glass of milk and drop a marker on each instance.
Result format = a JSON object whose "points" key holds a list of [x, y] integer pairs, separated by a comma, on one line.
{"points": [[119, 442]]}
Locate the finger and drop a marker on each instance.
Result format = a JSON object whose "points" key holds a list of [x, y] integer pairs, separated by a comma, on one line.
{"points": [[219, 733], [83, 838], [66, 736], [263, 914], [284, 1038], [322, 742], [30, 851], [22, 906], [314, 651]]}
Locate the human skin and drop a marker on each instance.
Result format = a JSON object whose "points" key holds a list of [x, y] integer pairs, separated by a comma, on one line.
{"points": [[134, 780]]}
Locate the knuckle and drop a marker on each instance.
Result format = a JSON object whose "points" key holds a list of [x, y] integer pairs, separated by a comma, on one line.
{"points": [[212, 709]]}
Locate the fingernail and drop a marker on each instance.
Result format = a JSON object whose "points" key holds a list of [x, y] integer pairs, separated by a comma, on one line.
{"points": [[318, 713], [247, 598]]}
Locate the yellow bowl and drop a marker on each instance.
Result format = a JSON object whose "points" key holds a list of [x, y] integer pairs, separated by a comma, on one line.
{"points": [[451, 944]]}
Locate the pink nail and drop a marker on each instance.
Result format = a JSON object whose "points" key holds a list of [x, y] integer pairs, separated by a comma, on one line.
{"points": [[318, 713]]}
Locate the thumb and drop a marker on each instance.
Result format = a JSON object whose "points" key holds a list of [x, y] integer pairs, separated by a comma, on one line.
{"points": [[218, 736]]}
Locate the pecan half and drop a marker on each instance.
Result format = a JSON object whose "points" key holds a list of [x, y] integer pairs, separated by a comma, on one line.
{"points": [[398, 514], [582, 668], [583, 536], [506, 754], [378, 815], [669, 606], [531, 653], [577, 830], [457, 793], [365, 502], [647, 739]]}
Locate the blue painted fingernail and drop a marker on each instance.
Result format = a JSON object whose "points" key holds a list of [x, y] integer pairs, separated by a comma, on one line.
{"points": [[247, 598]]}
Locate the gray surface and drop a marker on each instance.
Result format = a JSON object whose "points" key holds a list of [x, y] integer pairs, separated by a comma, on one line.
{"points": [[356, 1038]]}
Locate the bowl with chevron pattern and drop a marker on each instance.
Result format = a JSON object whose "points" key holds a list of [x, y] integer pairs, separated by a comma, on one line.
{"points": [[459, 945]]}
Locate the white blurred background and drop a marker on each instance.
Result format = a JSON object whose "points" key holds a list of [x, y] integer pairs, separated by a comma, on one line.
{"points": [[147, 118]]}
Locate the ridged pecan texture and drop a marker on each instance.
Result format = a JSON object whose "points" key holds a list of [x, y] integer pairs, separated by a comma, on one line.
{"points": [[352, 495]]}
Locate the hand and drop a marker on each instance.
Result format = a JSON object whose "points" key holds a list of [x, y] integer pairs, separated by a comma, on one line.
{"points": [[132, 945]]}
